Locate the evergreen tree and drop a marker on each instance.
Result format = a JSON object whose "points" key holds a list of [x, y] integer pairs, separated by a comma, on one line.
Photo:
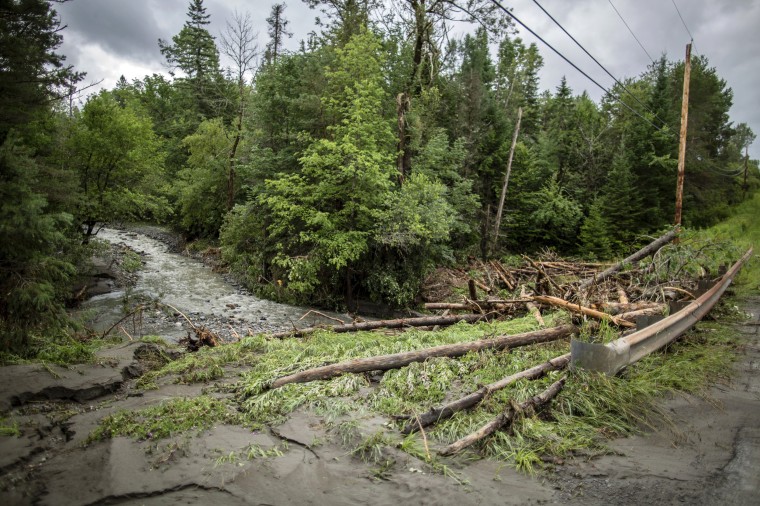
{"points": [[594, 233], [326, 215], [193, 51], [278, 30], [36, 261], [33, 74], [34, 268]]}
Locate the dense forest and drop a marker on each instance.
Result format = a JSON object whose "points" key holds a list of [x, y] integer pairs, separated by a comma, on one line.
{"points": [[350, 167]]}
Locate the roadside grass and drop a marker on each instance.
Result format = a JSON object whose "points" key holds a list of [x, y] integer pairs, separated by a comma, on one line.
{"points": [[743, 229]]}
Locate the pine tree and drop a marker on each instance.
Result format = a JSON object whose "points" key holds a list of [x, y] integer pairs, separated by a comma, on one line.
{"points": [[33, 271], [325, 216], [193, 51], [32, 73], [278, 30]]}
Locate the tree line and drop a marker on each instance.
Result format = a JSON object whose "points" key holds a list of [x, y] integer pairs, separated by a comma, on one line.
{"points": [[349, 167]]}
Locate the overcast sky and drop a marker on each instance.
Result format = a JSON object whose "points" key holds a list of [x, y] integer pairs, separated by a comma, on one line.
{"points": [[110, 38]]}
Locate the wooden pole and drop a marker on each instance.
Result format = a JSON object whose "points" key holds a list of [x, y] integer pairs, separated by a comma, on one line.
{"points": [[500, 210], [682, 144]]}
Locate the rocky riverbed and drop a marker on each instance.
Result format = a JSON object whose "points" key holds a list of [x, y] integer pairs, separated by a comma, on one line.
{"points": [[173, 292]]}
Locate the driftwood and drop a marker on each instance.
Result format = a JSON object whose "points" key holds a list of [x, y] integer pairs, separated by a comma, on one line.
{"points": [[577, 308], [398, 360], [416, 423], [650, 311], [532, 307], [615, 308], [643, 252], [425, 321], [474, 304], [505, 418]]}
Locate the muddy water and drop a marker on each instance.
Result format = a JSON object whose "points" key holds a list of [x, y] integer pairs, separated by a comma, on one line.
{"points": [[193, 288]]}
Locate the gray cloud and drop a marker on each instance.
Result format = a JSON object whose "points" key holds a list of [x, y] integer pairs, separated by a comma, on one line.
{"points": [[108, 37], [124, 29]]}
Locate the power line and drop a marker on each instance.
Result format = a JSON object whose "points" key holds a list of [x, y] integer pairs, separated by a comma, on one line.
{"points": [[682, 21], [600, 65], [684, 25], [617, 98], [629, 29]]}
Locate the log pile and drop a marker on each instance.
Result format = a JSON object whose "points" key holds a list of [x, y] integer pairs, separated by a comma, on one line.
{"points": [[598, 291]]}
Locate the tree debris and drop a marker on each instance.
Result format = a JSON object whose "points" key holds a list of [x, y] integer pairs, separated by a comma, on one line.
{"points": [[424, 321], [435, 415], [535, 402], [398, 360]]}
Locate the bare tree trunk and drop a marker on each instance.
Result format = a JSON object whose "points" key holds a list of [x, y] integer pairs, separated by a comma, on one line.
{"points": [[398, 360], [425, 321], [577, 308], [643, 252], [500, 209]]}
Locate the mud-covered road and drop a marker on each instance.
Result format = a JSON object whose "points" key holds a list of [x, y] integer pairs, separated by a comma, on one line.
{"points": [[709, 455]]}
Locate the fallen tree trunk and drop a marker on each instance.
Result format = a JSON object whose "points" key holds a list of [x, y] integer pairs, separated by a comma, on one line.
{"points": [[577, 308], [473, 304], [615, 308], [649, 311], [643, 252], [398, 360], [415, 423], [504, 418], [424, 321]]}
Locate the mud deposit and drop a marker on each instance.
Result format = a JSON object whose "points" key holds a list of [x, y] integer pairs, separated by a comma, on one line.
{"points": [[709, 456]]}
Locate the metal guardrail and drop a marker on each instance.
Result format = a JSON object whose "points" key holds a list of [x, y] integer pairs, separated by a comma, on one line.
{"points": [[613, 357]]}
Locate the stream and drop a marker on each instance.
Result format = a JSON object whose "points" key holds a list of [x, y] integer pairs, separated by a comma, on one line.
{"points": [[195, 290]]}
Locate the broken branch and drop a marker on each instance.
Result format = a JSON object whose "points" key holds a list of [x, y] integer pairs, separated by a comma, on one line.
{"points": [[505, 418], [468, 401]]}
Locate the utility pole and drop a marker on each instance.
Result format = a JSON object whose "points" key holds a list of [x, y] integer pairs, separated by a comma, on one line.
{"points": [[682, 144], [500, 210]]}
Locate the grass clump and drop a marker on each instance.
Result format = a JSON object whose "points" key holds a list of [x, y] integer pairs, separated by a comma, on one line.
{"points": [[9, 429], [167, 419]]}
